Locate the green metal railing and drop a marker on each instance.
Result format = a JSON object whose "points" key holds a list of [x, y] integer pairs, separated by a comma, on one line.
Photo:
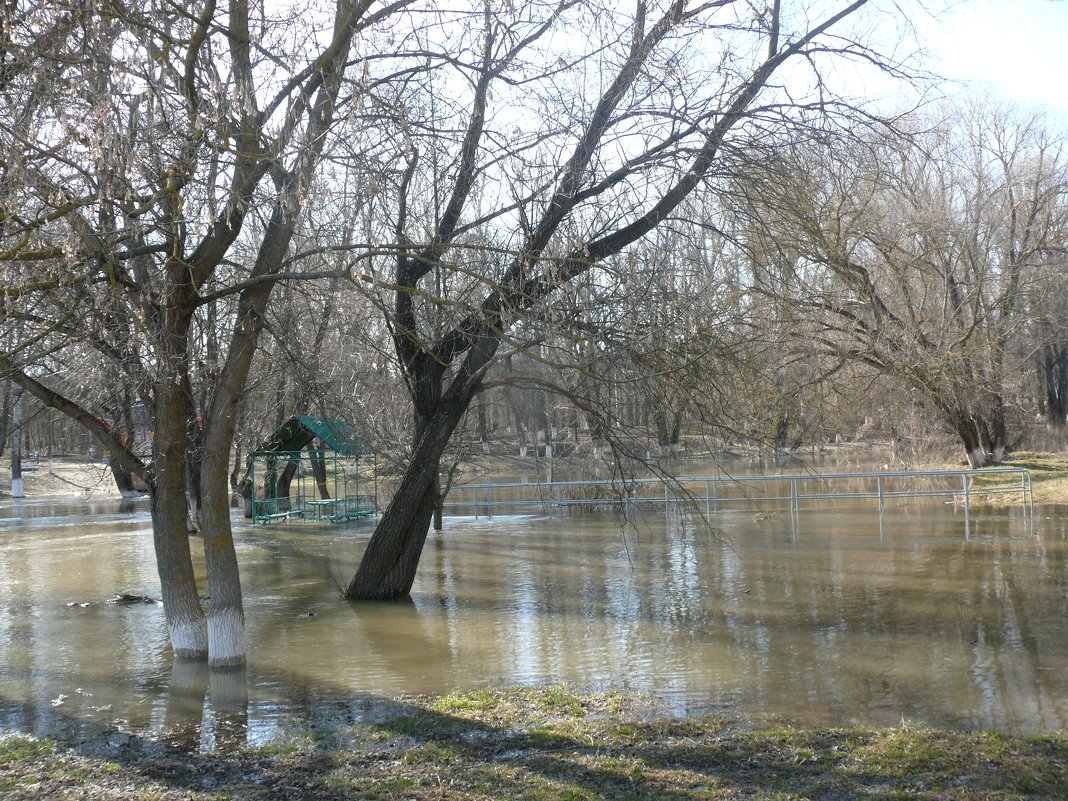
{"points": [[722, 492]]}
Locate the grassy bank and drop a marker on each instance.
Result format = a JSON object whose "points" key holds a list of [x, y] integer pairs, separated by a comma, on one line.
{"points": [[552, 745], [1049, 479], [1049, 474]]}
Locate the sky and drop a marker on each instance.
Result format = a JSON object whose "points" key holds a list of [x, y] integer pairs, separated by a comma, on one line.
{"points": [[1017, 49]]}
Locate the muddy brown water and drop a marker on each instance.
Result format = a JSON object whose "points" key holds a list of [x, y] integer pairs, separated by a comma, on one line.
{"points": [[838, 617]]}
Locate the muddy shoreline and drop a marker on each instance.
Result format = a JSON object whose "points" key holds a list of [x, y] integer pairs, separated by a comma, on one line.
{"points": [[549, 744]]}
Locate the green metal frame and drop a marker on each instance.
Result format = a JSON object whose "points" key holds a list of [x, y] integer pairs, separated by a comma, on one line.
{"points": [[340, 457]]}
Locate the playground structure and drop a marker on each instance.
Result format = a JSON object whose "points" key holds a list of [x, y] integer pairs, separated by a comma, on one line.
{"points": [[310, 469]]}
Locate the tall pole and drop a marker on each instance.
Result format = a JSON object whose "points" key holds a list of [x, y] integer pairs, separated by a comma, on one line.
{"points": [[16, 448]]}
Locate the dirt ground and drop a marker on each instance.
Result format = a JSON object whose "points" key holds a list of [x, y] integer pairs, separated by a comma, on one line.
{"points": [[64, 477]]}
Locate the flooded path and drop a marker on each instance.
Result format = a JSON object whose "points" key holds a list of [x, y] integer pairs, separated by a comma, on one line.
{"points": [[836, 619]]}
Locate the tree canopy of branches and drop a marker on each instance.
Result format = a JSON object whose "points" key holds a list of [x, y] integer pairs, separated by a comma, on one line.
{"points": [[485, 171], [532, 155], [926, 258], [157, 158]]}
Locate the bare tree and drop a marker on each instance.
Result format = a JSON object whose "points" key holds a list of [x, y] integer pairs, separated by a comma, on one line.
{"points": [[157, 160], [552, 177], [916, 256], [1047, 338]]}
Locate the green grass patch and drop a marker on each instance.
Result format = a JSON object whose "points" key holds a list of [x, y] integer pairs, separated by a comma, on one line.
{"points": [[518, 704], [272, 750], [15, 749], [1049, 476], [426, 725], [557, 744]]}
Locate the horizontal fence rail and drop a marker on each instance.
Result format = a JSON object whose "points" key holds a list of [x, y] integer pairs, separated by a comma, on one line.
{"points": [[716, 493]]}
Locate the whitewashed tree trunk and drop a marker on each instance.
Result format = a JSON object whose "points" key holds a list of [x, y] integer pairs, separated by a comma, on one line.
{"points": [[226, 618], [977, 458]]}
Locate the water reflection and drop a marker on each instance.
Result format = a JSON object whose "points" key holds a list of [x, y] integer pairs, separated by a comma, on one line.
{"points": [[820, 618], [203, 709]]}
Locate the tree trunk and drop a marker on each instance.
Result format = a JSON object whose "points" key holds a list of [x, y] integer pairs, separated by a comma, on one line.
{"points": [[999, 438], [1053, 371], [966, 428], [782, 432], [193, 451], [483, 428], [124, 425], [236, 488], [1060, 382], [550, 439], [668, 430], [16, 448], [520, 429], [270, 478], [226, 617], [388, 567], [439, 514], [439, 505], [123, 479], [285, 480], [181, 606], [389, 564], [5, 416], [318, 467]]}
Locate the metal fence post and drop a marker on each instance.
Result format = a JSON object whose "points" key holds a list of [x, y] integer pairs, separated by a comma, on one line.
{"points": [[967, 508]]}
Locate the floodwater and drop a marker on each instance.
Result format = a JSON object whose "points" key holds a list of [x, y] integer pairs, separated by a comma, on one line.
{"points": [[840, 616]]}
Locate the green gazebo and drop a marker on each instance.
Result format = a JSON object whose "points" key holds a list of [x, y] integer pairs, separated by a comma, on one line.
{"points": [[310, 468]]}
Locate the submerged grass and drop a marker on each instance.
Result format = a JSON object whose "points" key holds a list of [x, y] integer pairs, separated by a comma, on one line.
{"points": [[555, 744]]}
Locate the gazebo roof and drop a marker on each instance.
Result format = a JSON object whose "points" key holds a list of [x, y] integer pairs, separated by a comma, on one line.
{"points": [[296, 432]]}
